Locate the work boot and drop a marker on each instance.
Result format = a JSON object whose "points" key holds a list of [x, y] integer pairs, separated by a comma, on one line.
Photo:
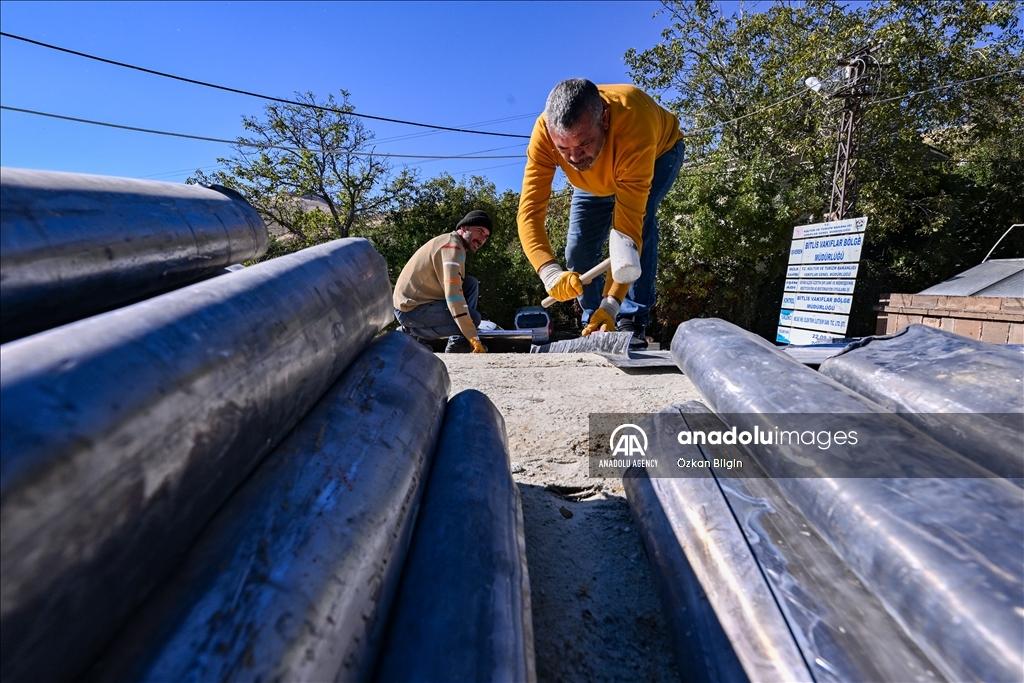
{"points": [[638, 342], [458, 344]]}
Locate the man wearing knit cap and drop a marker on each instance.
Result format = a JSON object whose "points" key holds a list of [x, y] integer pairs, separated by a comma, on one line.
{"points": [[621, 152], [434, 298]]}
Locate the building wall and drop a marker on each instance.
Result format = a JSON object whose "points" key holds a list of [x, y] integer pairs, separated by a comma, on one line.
{"points": [[999, 320]]}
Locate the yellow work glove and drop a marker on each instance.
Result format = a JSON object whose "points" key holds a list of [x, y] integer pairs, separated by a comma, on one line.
{"points": [[560, 284], [603, 319], [478, 346]]}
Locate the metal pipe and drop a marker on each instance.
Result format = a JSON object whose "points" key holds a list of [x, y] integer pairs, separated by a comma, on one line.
{"points": [[1015, 225], [121, 434], [741, 536], [964, 393], [73, 245], [463, 607], [942, 553], [294, 577], [724, 620]]}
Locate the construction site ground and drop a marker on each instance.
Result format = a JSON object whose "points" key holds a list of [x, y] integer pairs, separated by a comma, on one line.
{"points": [[596, 613]]}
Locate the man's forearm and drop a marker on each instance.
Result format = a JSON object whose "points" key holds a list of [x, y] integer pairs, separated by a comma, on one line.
{"points": [[466, 325]]}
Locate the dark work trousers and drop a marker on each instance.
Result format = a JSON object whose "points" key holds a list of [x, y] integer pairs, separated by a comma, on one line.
{"points": [[434, 320], [590, 221]]}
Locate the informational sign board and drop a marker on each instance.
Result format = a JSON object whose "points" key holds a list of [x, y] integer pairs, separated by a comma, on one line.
{"points": [[844, 270], [823, 262], [798, 337], [822, 303]]}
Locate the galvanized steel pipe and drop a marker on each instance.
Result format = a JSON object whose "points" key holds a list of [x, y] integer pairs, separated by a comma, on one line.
{"points": [[726, 625], [942, 553], [964, 393], [121, 434], [741, 536], [72, 245], [463, 609], [294, 577]]}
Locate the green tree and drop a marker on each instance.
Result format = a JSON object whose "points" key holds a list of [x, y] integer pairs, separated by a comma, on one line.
{"points": [[310, 168], [424, 210], [940, 173], [566, 316]]}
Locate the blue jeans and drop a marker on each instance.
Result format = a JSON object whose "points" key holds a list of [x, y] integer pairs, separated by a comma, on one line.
{"points": [[590, 221], [434, 320]]}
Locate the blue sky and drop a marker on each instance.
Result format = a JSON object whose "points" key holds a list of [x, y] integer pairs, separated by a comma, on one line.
{"points": [[453, 64]]}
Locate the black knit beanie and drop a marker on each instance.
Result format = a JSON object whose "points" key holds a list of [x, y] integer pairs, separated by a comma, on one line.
{"points": [[479, 218]]}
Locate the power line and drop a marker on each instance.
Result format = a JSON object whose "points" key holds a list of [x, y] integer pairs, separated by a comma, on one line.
{"points": [[888, 99], [410, 136], [257, 145], [488, 168], [163, 174], [269, 98], [763, 109], [739, 118], [468, 155], [915, 93]]}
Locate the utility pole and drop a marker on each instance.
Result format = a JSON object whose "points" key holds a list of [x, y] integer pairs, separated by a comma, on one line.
{"points": [[860, 72]]}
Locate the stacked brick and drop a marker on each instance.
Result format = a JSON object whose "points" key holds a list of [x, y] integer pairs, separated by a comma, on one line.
{"points": [[998, 320]]}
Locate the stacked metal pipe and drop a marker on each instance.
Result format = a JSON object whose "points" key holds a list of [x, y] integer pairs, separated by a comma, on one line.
{"points": [[294, 577], [73, 245], [751, 589], [121, 434], [724, 623], [939, 542], [966, 394], [463, 610]]}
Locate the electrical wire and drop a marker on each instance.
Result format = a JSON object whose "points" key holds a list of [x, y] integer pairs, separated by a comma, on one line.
{"points": [[869, 102], [164, 174], [426, 125], [740, 118], [915, 93], [269, 98], [430, 161], [423, 134], [257, 145], [488, 168]]}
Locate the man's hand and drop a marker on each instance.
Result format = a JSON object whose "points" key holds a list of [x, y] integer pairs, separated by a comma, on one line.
{"points": [[567, 287], [603, 319], [600, 321], [560, 284], [478, 346]]}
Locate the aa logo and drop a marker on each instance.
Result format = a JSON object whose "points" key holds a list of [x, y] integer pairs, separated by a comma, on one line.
{"points": [[628, 441]]}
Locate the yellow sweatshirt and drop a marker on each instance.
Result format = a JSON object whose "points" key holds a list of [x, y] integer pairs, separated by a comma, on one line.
{"points": [[639, 131], [436, 272]]}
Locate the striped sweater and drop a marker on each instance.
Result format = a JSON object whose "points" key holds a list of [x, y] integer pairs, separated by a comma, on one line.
{"points": [[435, 272]]}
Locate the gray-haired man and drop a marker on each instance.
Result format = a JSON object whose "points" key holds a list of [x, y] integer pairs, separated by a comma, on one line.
{"points": [[621, 152]]}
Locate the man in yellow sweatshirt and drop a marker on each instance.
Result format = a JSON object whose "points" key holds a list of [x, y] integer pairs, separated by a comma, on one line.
{"points": [[621, 152], [434, 298]]}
